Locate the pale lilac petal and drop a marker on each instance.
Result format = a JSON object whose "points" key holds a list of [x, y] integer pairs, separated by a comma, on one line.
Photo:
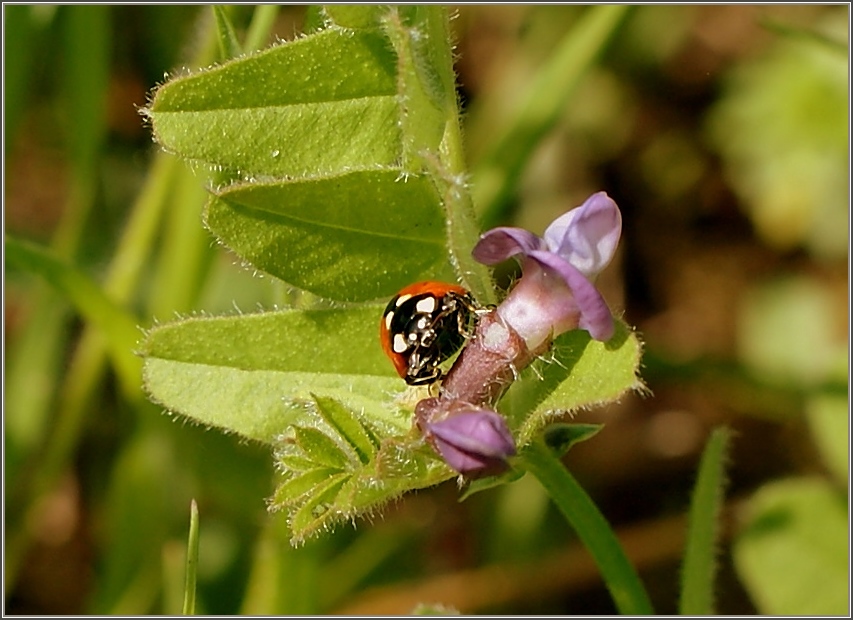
{"points": [[474, 443], [587, 236], [539, 306], [595, 316], [498, 244]]}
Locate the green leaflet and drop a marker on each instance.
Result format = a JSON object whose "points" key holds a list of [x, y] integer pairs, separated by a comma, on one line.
{"points": [[578, 372], [348, 427], [324, 484], [323, 103], [353, 237], [261, 405], [313, 384], [255, 374], [333, 133], [320, 448]]}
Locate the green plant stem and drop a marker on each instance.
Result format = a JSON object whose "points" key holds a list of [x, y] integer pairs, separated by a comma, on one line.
{"points": [[263, 20], [628, 592], [463, 228], [697, 590], [229, 46], [462, 222]]}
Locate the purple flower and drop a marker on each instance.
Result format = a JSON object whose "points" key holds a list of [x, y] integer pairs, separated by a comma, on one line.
{"points": [[556, 293], [473, 441]]}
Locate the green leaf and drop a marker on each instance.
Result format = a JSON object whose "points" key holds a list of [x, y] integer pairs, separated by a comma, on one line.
{"points": [[579, 372], [697, 592], [483, 484], [793, 552], [323, 103], [318, 508], [295, 462], [255, 374], [353, 237], [561, 437], [335, 340], [320, 448], [261, 405], [348, 427], [317, 500], [300, 484], [321, 486]]}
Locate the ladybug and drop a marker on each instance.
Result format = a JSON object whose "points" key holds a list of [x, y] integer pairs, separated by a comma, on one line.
{"points": [[425, 324]]}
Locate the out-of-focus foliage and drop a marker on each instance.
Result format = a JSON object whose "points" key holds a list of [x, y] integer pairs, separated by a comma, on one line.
{"points": [[793, 550], [782, 128]]}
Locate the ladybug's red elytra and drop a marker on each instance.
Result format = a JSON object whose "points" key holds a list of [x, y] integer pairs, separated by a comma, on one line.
{"points": [[425, 324]]}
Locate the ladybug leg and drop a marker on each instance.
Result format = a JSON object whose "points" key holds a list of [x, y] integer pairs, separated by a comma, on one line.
{"points": [[424, 375]]}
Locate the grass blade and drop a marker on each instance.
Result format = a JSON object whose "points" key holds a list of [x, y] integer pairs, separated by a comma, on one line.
{"points": [[192, 562], [697, 587]]}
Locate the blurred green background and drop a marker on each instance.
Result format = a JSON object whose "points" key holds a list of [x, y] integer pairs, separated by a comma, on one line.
{"points": [[722, 133]]}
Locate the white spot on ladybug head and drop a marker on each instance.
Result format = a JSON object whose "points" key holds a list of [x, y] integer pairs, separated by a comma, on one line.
{"points": [[402, 299], [388, 319], [426, 305], [422, 323], [399, 345]]}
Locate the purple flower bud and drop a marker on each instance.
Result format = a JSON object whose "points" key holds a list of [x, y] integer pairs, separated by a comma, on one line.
{"points": [[475, 442], [556, 293]]}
